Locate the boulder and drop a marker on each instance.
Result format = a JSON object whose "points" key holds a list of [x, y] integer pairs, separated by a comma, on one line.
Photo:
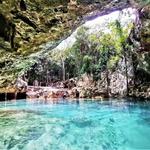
{"points": [[21, 84]]}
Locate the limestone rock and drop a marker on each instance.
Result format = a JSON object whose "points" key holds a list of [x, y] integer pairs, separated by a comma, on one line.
{"points": [[145, 28]]}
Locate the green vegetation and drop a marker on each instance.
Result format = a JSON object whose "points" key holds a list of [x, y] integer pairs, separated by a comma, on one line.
{"points": [[93, 54]]}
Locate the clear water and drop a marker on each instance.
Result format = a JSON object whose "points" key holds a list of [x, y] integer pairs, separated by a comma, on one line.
{"points": [[38, 125]]}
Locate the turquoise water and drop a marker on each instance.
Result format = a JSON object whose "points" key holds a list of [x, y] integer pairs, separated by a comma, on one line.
{"points": [[89, 125]]}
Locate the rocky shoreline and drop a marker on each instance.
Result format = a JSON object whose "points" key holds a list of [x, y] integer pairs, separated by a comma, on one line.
{"points": [[141, 93]]}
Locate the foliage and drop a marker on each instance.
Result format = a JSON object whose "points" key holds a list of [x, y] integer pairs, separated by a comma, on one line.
{"points": [[43, 71], [86, 64], [95, 53]]}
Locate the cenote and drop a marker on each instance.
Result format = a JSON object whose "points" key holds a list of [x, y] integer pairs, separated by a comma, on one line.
{"points": [[68, 71], [87, 125]]}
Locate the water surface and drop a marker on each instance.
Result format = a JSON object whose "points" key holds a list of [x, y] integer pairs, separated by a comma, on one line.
{"points": [[89, 125]]}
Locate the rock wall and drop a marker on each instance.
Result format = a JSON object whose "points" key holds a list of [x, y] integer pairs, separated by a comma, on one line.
{"points": [[140, 38], [119, 80]]}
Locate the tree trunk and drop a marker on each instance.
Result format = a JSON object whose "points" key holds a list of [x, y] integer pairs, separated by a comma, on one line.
{"points": [[126, 71], [63, 70], [108, 81], [47, 78]]}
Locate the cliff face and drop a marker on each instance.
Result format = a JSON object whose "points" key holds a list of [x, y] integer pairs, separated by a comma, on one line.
{"points": [[138, 59], [142, 28], [140, 38]]}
